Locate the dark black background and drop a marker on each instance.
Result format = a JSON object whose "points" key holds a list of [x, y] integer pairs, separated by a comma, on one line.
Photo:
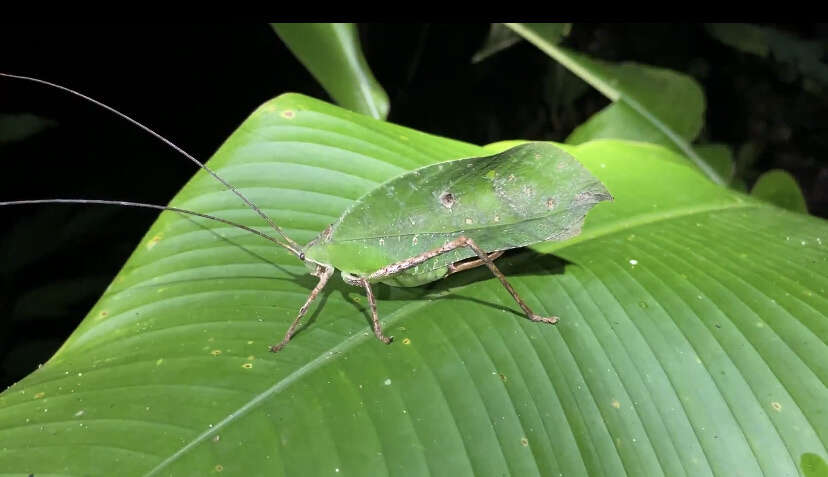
{"points": [[195, 84]]}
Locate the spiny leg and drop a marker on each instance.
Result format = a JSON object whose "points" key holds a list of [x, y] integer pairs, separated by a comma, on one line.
{"points": [[398, 267], [468, 265], [372, 301], [324, 273], [500, 276]]}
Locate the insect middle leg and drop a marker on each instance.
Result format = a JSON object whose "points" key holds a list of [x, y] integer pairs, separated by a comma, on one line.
{"points": [[468, 265], [324, 273], [403, 265]]}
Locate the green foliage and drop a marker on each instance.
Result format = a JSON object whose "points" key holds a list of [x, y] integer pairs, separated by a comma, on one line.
{"points": [[691, 341], [802, 57], [780, 188], [692, 338], [332, 53], [649, 104]]}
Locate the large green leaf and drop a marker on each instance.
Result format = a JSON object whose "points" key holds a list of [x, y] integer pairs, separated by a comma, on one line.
{"points": [[333, 54], [650, 104], [692, 338]]}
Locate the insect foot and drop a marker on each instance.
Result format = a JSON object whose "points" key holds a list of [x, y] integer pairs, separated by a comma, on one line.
{"points": [[542, 319]]}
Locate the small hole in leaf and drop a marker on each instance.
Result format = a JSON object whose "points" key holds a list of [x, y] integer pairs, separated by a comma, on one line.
{"points": [[447, 199]]}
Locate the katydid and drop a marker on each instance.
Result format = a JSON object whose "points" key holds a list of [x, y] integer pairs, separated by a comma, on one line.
{"points": [[428, 223]]}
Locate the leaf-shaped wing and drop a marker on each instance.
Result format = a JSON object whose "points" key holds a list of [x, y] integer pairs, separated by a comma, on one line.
{"points": [[531, 193]]}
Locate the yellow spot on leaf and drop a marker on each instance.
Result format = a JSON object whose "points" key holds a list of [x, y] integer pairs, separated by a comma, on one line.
{"points": [[154, 241], [776, 406], [250, 342], [219, 468], [469, 221], [524, 442], [247, 365], [406, 341], [215, 352], [39, 395], [288, 114], [159, 362], [615, 404], [251, 358]]}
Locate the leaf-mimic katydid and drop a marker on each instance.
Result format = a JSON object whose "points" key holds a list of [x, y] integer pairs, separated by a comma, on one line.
{"points": [[428, 223]]}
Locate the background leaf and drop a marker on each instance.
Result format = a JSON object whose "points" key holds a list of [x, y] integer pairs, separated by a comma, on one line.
{"points": [[692, 338], [802, 57], [17, 127], [649, 104], [332, 53], [780, 188], [501, 37]]}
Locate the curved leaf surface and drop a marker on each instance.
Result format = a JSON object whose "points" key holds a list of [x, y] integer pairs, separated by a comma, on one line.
{"points": [[780, 188], [333, 54], [692, 338]]}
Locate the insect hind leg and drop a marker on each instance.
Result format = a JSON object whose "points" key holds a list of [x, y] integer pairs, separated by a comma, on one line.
{"points": [[398, 267]]}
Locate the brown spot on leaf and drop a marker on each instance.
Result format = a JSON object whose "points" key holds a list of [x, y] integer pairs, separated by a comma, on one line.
{"points": [[447, 199], [550, 203], [288, 114]]}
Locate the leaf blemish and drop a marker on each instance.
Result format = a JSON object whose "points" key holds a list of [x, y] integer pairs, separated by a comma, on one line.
{"points": [[550, 203], [153, 242], [288, 114], [447, 199]]}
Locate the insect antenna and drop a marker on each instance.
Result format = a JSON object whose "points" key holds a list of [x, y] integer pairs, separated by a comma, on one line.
{"points": [[290, 245], [145, 206]]}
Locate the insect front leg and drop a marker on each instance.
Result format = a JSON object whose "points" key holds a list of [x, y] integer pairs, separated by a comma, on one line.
{"points": [[324, 273], [398, 267]]}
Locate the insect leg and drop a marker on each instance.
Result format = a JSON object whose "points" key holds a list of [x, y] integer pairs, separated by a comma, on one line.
{"points": [[496, 272], [374, 318], [398, 267], [324, 273], [461, 266]]}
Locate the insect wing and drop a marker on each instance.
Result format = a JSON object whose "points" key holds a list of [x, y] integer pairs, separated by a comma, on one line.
{"points": [[528, 194]]}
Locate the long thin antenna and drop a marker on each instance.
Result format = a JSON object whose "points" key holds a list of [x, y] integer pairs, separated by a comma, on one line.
{"points": [[147, 206], [293, 246]]}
